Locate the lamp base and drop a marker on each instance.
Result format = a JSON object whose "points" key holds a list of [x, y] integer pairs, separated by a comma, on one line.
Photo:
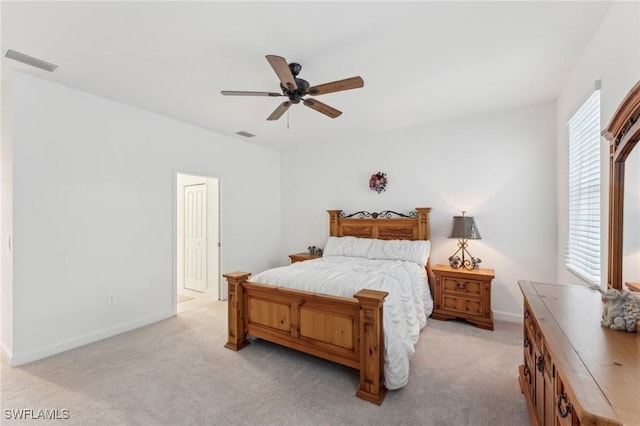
{"points": [[470, 263], [455, 262]]}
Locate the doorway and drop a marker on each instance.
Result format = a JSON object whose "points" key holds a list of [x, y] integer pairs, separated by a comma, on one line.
{"points": [[197, 238]]}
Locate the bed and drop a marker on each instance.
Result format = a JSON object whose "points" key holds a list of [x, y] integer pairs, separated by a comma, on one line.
{"points": [[343, 329]]}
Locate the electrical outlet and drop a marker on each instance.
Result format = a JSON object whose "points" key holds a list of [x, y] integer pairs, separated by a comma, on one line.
{"points": [[111, 299]]}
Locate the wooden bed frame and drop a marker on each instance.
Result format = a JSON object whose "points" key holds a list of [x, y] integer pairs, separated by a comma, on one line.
{"points": [[343, 330]]}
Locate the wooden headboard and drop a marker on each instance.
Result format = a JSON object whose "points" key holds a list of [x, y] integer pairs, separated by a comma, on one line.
{"points": [[385, 225]]}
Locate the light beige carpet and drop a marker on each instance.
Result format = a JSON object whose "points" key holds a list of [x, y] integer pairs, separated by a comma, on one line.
{"points": [[183, 298], [177, 372]]}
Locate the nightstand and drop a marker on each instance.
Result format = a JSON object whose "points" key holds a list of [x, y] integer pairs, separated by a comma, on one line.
{"points": [[300, 257], [462, 293]]}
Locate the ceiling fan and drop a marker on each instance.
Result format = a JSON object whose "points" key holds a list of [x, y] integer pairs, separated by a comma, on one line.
{"points": [[295, 88]]}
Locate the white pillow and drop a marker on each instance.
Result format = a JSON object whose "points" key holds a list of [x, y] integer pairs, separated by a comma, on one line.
{"points": [[347, 246], [407, 250]]}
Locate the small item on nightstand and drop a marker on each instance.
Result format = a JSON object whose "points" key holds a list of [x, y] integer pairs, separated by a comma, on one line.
{"points": [[315, 250]]}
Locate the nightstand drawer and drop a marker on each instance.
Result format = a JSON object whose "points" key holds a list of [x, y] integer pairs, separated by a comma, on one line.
{"points": [[462, 286], [462, 305]]}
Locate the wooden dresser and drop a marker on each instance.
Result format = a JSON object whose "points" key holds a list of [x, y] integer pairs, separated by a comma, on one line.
{"points": [[576, 372], [461, 293]]}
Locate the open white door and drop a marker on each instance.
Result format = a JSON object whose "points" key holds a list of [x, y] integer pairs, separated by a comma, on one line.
{"points": [[195, 237]]}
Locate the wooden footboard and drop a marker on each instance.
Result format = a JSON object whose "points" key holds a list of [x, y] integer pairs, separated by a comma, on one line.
{"points": [[343, 330]]}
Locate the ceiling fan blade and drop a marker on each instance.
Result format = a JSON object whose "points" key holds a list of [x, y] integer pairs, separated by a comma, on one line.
{"points": [[323, 108], [336, 86], [281, 67], [277, 113], [244, 93]]}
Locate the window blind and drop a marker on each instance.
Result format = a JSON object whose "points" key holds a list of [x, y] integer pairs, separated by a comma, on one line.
{"points": [[583, 242]]}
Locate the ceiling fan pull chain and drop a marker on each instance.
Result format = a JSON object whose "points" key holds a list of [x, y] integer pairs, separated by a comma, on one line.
{"points": [[287, 119]]}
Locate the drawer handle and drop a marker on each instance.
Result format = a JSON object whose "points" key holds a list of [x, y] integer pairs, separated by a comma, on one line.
{"points": [[526, 342], [564, 406], [527, 373], [461, 286], [540, 363]]}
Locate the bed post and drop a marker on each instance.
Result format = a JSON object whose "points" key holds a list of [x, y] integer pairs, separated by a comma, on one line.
{"points": [[372, 386], [423, 222], [333, 222], [237, 334], [424, 228]]}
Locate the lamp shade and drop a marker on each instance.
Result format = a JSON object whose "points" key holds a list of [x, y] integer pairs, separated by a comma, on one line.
{"points": [[464, 228]]}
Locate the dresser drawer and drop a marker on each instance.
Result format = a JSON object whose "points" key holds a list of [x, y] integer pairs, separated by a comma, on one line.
{"points": [[462, 305], [528, 345], [565, 412], [527, 376], [531, 325], [462, 286]]}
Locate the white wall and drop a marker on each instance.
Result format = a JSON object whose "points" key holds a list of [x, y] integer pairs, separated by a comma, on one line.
{"points": [[613, 57], [500, 168], [93, 213]]}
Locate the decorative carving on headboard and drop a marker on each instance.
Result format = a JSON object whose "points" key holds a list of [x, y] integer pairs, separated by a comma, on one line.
{"points": [[395, 233], [358, 231], [387, 214]]}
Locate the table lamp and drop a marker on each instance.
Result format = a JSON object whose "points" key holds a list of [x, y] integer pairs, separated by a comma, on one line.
{"points": [[464, 228]]}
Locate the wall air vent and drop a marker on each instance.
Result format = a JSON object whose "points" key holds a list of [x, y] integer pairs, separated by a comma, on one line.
{"points": [[30, 60], [245, 134]]}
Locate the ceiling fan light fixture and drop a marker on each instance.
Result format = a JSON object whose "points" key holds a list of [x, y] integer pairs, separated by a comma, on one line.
{"points": [[30, 60]]}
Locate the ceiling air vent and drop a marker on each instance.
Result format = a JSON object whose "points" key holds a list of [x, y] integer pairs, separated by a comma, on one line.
{"points": [[30, 60], [245, 134]]}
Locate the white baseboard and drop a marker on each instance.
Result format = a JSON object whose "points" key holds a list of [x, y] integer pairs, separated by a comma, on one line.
{"points": [[7, 355], [507, 316], [24, 358]]}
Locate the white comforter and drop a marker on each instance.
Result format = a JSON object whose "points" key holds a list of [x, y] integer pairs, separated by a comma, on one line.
{"points": [[406, 308]]}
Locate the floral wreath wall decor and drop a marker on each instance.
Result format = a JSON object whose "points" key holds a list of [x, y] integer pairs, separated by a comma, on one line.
{"points": [[378, 182]]}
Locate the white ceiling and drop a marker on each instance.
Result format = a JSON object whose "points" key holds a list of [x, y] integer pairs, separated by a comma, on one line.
{"points": [[421, 61]]}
